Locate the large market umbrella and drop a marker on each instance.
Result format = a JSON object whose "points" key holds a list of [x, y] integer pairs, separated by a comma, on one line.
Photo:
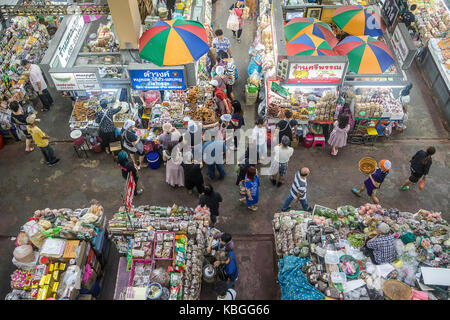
{"points": [[366, 55], [309, 45], [357, 21], [174, 42], [298, 26]]}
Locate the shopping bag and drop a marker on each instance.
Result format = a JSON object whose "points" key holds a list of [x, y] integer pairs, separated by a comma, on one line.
{"points": [[233, 22], [245, 13], [422, 184]]}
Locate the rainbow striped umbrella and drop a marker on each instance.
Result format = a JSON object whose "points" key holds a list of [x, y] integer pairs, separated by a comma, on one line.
{"points": [[366, 55], [174, 42], [309, 45], [298, 26], [357, 21]]}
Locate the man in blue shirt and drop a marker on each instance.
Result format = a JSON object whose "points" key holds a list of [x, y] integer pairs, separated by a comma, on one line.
{"points": [[228, 261], [212, 158]]}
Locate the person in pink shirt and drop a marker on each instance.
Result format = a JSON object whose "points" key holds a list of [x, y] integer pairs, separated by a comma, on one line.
{"points": [[38, 82]]}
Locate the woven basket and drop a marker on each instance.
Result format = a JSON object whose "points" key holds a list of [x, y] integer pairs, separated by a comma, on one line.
{"points": [[367, 165], [397, 290]]}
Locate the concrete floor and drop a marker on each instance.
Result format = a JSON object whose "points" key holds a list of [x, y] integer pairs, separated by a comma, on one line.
{"points": [[26, 184]]}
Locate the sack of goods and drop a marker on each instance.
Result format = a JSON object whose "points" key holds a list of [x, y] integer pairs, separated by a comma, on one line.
{"points": [[233, 22]]}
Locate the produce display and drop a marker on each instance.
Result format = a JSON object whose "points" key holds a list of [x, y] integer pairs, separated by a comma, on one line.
{"points": [[432, 19], [334, 241], [103, 40], [56, 253], [171, 240]]}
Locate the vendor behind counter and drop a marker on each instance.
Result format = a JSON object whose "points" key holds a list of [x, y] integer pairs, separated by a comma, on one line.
{"points": [[149, 99]]}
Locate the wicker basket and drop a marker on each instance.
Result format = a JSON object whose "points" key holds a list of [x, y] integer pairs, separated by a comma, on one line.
{"points": [[367, 165], [397, 290]]}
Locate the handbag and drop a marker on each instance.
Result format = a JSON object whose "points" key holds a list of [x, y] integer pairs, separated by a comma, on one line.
{"points": [[233, 22], [220, 272]]}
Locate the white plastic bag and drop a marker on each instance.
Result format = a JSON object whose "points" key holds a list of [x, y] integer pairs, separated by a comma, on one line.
{"points": [[233, 22]]}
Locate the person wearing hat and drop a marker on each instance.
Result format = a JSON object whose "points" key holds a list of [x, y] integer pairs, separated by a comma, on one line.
{"points": [[169, 134], [37, 81], [222, 102], [256, 56], [193, 176], [210, 157], [221, 78], [233, 75], [132, 143], [238, 9], [280, 160], [381, 249], [104, 118], [193, 138], [41, 140], [374, 181], [127, 166]]}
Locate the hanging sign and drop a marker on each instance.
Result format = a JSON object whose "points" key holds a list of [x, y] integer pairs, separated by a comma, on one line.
{"points": [[68, 41], [315, 72], [403, 46], [158, 79], [129, 192], [75, 81], [389, 12]]}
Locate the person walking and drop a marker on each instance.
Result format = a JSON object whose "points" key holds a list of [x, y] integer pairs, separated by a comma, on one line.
{"points": [[287, 127], [227, 265], [132, 142], [211, 199], [338, 137], [251, 185], [212, 159], [420, 166], [242, 171], [37, 81], [252, 8], [238, 8], [280, 160], [374, 181], [193, 176], [41, 140], [259, 138], [237, 121], [224, 126], [223, 292], [127, 166], [174, 170], [19, 120], [221, 43], [298, 191], [232, 73], [106, 130]]}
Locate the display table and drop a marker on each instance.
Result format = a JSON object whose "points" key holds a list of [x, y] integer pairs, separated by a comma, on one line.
{"points": [[437, 76]]}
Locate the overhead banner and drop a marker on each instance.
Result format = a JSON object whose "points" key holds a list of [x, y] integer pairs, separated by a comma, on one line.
{"points": [[160, 79], [315, 73]]}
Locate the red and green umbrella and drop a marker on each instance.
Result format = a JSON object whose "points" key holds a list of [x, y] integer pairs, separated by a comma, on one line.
{"points": [[174, 42], [366, 55], [298, 26], [309, 45], [357, 21]]}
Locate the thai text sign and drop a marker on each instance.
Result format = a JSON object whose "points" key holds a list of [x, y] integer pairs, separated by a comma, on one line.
{"points": [[316, 72], [160, 79]]}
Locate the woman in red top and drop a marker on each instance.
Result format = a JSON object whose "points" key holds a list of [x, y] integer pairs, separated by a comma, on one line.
{"points": [[220, 98], [238, 8]]}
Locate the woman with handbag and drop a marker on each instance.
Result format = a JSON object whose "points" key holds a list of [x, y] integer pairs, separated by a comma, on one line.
{"points": [[132, 143], [19, 120], [128, 167], [237, 8]]}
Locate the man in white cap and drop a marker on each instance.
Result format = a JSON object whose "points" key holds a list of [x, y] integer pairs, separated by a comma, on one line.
{"points": [[41, 140], [132, 143], [224, 125], [381, 248], [193, 137], [220, 98]]}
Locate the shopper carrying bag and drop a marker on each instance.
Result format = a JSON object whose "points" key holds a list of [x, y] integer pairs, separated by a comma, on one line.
{"points": [[233, 22]]}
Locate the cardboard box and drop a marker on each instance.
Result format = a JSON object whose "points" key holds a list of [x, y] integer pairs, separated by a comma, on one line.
{"points": [[81, 254], [70, 252]]}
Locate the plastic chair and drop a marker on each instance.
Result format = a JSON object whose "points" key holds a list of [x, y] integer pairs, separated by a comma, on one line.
{"points": [[319, 139]]}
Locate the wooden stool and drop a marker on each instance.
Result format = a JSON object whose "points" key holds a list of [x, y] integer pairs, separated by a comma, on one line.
{"points": [[319, 139], [80, 148], [115, 147]]}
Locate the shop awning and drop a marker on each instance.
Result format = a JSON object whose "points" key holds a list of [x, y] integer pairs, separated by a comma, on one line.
{"points": [[355, 20], [366, 55], [174, 42]]}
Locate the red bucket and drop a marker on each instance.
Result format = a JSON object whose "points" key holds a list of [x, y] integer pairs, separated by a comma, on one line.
{"points": [[77, 137], [308, 140], [2, 144]]}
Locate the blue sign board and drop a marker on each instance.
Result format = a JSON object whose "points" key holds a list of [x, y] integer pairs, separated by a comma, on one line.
{"points": [[159, 79], [390, 11]]}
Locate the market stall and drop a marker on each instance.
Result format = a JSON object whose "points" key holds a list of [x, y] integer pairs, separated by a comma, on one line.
{"points": [[60, 254], [326, 251], [162, 252]]}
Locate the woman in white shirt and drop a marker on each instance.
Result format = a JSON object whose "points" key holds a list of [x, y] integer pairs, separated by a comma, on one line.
{"points": [[260, 138], [282, 154]]}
